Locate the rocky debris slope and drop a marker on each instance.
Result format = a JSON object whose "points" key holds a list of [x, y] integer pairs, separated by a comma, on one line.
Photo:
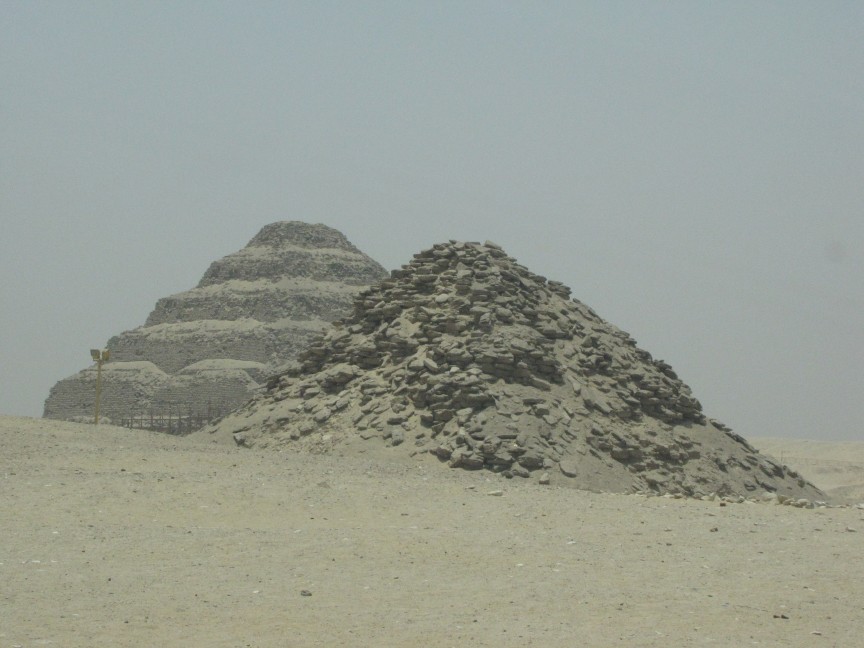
{"points": [[465, 354], [207, 350]]}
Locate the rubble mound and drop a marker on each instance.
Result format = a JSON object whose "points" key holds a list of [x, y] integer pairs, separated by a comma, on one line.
{"points": [[467, 355], [207, 350]]}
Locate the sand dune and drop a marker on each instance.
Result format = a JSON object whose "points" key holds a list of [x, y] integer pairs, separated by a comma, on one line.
{"points": [[120, 538]]}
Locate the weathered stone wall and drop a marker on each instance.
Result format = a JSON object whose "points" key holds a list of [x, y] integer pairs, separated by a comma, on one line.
{"points": [[124, 384], [199, 392], [251, 314], [261, 300], [135, 389], [172, 347], [317, 265]]}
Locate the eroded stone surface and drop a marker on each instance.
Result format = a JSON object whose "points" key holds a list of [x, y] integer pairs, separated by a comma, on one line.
{"points": [[205, 351], [467, 355]]}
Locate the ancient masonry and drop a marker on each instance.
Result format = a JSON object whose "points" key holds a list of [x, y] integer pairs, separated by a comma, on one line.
{"points": [[468, 356], [206, 351]]}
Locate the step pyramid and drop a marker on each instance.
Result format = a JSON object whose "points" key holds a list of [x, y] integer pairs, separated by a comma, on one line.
{"points": [[467, 355], [206, 351]]}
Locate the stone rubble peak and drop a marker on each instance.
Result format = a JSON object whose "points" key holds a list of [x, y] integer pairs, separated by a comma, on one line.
{"points": [[466, 354]]}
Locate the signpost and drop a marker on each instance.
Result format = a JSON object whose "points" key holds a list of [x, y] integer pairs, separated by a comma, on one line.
{"points": [[99, 357]]}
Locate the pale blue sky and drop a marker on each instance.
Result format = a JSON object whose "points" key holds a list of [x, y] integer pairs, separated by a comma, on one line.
{"points": [[693, 170]]}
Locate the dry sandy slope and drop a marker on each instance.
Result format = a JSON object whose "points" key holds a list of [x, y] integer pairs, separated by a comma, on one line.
{"points": [[119, 538], [837, 467]]}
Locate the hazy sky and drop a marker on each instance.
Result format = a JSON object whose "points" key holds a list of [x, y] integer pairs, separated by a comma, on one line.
{"points": [[693, 170]]}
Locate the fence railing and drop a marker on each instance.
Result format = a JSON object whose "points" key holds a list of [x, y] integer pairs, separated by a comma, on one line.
{"points": [[171, 422]]}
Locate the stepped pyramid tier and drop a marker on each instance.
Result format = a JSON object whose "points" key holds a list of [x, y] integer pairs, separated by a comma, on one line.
{"points": [[205, 351], [466, 355]]}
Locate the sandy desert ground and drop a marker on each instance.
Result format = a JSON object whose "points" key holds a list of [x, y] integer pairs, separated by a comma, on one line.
{"points": [[112, 537]]}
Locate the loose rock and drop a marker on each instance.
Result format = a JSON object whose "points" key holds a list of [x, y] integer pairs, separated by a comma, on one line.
{"points": [[510, 375]]}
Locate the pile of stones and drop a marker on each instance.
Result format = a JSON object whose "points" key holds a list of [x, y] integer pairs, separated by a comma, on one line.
{"points": [[466, 355]]}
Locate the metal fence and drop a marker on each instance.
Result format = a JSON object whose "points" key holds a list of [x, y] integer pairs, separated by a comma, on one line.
{"points": [[173, 421]]}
